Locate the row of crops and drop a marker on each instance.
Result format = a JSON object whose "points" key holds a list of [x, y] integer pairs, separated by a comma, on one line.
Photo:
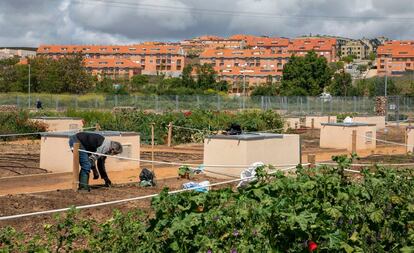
{"points": [[324, 209]]}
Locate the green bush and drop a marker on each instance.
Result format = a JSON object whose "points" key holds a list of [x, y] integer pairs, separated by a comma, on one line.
{"points": [[18, 122], [201, 122]]}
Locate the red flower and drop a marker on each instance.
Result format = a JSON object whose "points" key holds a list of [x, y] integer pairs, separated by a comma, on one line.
{"points": [[312, 246], [187, 113]]}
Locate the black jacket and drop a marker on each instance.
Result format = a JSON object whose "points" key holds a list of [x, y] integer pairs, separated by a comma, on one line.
{"points": [[90, 141]]}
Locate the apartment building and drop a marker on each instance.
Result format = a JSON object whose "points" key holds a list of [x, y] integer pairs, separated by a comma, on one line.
{"points": [[326, 47], [251, 41], [153, 58], [15, 52], [112, 68], [256, 65], [357, 48], [395, 57]]}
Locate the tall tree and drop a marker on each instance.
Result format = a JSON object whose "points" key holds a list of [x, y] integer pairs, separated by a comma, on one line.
{"points": [[305, 76], [341, 84]]}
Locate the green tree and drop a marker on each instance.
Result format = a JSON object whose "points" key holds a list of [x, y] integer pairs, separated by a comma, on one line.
{"points": [[349, 58], [139, 82], [371, 56], [73, 75], [265, 90], [336, 66], [362, 68], [305, 76], [206, 76], [341, 84], [187, 78]]}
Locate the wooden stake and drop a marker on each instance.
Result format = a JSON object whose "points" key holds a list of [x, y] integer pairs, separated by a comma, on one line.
{"points": [[169, 134], [354, 141], [313, 124], [407, 149], [152, 146], [75, 166], [312, 161]]}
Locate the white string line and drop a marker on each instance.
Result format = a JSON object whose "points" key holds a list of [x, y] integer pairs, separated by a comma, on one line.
{"points": [[181, 164], [370, 164], [128, 199], [208, 130], [190, 128], [37, 133]]}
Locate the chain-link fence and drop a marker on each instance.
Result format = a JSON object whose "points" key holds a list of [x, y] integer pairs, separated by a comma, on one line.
{"points": [[286, 105]]}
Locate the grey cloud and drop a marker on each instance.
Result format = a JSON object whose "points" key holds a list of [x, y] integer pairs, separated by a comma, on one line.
{"points": [[32, 22]]}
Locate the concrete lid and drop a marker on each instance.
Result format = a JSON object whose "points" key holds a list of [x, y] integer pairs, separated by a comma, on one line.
{"points": [[104, 133], [247, 136], [353, 124], [57, 118]]}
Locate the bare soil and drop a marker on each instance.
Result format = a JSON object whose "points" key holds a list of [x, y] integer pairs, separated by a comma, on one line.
{"points": [[24, 203], [20, 158]]}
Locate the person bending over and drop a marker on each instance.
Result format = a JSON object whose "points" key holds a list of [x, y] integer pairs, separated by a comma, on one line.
{"points": [[96, 143]]}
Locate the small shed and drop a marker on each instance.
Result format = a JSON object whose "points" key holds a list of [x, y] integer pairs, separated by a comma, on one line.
{"points": [[291, 122], [317, 121], [342, 136], [247, 148], [379, 121], [55, 154], [60, 123]]}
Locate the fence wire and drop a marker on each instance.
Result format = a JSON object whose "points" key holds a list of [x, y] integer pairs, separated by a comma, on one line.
{"points": [[290, 105]]}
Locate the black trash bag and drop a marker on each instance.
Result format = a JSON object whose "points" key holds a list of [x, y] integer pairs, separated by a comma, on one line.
{"points": [[146, 177], [234, 129]]}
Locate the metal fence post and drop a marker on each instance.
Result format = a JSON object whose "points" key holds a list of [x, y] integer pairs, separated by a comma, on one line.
{"points": [[307, 104], [198, 101], [176, 103], [96, 103], [301, 109], [355, 109], [116, 100], [17, 102], [57, 103], [218, 102], [397, 111], [156, 104], [262, 105], [322, 105], [76, 102]]}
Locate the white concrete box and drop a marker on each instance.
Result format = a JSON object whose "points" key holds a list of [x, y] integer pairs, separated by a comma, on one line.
{"points": [[245, 149], [379, 121], [318, 120], [59, 124], [55, 154], [339, 136], [292, 123]]}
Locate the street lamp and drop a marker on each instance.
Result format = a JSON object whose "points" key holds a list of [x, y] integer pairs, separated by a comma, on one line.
{"points": [[29, 86]]}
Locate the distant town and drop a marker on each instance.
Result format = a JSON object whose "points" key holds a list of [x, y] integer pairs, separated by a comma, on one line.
{"points": [[253, 58]]}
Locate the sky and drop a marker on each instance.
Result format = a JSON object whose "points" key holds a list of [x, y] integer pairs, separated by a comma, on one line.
{"points": [[35, 22]]}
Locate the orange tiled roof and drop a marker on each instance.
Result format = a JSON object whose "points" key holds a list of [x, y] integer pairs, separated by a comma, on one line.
{"points": [[110, 63], [241, 53], [308, 44], [102, 49], [210, 37], [259, 41], [397, 49]]}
